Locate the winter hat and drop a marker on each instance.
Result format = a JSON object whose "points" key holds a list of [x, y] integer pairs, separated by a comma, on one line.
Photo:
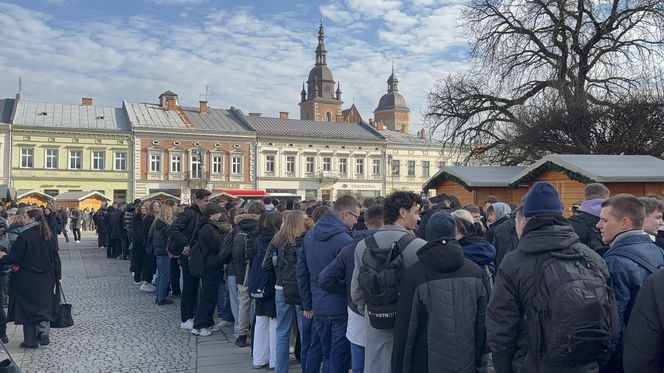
{"points": [[441, 226], [542, 198]]}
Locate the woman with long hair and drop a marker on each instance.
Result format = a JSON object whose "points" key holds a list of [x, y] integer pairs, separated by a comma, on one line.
{"points": [[281, 257], [158, 238], [35, 271], [149, 260]]}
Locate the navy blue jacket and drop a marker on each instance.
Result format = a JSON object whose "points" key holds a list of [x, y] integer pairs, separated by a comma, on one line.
{"points": [[340, 271], [480, 251], [320, 246]]}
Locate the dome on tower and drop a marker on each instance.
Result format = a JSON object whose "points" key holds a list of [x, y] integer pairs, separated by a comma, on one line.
{"points": [[392, 99], [320, 73]]}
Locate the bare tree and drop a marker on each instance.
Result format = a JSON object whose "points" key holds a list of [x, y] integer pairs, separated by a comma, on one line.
{"points": [[546, 70]]}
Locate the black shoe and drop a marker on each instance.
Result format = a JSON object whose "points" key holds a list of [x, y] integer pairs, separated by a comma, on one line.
{"points": [[23, 345], [164, 302], [44, 340], [4, 338], [241, 341]]}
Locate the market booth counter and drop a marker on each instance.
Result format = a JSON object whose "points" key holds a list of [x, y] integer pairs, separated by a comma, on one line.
{"points": [[83, 199]]}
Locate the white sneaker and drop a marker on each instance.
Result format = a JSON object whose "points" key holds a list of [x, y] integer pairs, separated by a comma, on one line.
{"points": [[221, 324], [203, 332], [189, 324], [148, 287]]}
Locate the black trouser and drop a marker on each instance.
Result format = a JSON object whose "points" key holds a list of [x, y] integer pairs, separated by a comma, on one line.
{"points": [[77, 234], [100, 239], [138, 262], [64, 233], [190, 285], [150, 267], [175, 277], [115, 247], [207, 300], [124, 244], [3, 316]]}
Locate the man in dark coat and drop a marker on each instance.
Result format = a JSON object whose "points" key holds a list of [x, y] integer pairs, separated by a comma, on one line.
{"points": [[118, 233], [107, 223], [586, 219], [184, 233], [63, 218], [505, 238], [440, 202], [644, 337], [542, 229]]}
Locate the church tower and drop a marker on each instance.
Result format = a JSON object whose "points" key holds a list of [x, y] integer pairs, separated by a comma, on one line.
{"points": [[320, 101], [392, 112]]}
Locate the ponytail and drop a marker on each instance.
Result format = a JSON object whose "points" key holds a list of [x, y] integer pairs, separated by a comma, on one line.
{"points": [[38, 215]]}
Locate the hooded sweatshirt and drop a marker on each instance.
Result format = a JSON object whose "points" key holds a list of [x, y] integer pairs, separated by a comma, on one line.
{"points": [[320, 246], [480, 251], [440, 324]]}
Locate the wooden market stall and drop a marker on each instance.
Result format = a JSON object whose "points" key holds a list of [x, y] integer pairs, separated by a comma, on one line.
{"points": [[473, 184], [81, 199], [30, 196], [160, 196], [569, 173]]}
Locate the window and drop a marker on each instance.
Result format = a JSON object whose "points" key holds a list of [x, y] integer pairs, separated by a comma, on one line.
{"points": [[269, 163], [328, 116], [343, 166], [176, 163], [425, 168], [27, 157], [120, 161], [196, 166], [290, 163], [327, 164], [236, 165], [411, 168], [155, 162], [52, 192], [375, 167], [359, 166], [75, 159], [52, 158], [217, 164], [97, 159], [396, 167], [311, 165]]}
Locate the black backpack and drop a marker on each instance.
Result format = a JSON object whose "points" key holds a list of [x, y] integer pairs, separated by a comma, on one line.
{"points": [[379, 278], [286, 267], [573, 318], [197, 260]]}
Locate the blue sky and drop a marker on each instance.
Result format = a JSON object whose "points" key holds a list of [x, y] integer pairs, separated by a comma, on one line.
{"points": [[251, 54]]}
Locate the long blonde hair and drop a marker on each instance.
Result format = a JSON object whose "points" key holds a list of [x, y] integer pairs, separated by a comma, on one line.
{"points": [[291, 229], [165, 214]]}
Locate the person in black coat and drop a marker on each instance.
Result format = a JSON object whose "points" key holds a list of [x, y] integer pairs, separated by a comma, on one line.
{"points": [[150, 260], [209, 242], [107, 231], [52, 220], [118, 234], [644, 337], [36, 268], [138, 243]]}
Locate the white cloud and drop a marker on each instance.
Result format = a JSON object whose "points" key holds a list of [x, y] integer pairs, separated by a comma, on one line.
{"points": [[255, 63]]}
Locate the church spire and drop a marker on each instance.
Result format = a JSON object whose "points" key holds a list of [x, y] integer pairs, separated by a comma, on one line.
{"points": [[320, 50], [392, 82]]}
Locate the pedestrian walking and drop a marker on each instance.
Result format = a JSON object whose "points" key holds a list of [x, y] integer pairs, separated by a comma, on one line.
{"points": [[76, 224]]}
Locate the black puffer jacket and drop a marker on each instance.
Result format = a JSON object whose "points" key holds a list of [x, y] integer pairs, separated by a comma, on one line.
{"points": [[209, 240], [184, 228], [444, 296], [159, 238], [585, 226], [505, 239], [515, 288], [644, 338], [244, 223]]}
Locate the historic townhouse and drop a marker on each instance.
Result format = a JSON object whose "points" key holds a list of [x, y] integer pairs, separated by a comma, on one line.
{"points": [[61, 148], [180, 149], [6, 109]]}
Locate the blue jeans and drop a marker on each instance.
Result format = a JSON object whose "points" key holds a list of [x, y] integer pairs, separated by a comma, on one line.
{"points": [[284, 322], [235, 302], [335, 348], [163, 276], [223, 305], [357, 358]]}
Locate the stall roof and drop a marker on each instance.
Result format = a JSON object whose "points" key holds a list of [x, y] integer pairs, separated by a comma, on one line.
{"points": [[79, 196], [474, 176], [20, 193], [158, 194], [587, 168]]}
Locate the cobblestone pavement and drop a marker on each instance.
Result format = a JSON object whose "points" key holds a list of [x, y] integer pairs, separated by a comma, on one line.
{"points": [[120, 329]]}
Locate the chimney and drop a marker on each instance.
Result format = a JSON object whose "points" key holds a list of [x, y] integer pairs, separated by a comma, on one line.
{"points": [[86, 101], [171, 104], [255, 114], [380, 126], [283, 115], [371, 122], [203, 106]]}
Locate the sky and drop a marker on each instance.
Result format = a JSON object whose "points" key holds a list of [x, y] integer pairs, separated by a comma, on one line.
{"points": [[253, 55]]}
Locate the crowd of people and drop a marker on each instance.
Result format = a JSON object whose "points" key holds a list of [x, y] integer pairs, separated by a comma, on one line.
{"points": [[393, 283]]}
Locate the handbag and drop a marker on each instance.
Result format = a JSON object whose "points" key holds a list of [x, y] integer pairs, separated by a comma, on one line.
{"points": [[8, 365], [64, 317]]}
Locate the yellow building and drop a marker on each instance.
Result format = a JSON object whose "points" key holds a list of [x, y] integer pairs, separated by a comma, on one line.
{"points": [[58, 148]]}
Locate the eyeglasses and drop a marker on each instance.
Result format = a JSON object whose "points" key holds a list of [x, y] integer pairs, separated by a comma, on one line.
{"points": [[355, 216]]}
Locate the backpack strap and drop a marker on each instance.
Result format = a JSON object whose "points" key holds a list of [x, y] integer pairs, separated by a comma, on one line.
{"points": [[404, 241], [371, 243], [635, 257]]}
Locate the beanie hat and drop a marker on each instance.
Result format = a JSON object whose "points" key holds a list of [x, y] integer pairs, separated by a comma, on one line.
{"points": [[441, 226], [542, 198]]}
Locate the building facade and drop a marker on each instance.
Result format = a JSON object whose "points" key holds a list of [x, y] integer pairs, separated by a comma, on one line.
{"points": [[59, 148], [6, 110], [178, 150]]}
